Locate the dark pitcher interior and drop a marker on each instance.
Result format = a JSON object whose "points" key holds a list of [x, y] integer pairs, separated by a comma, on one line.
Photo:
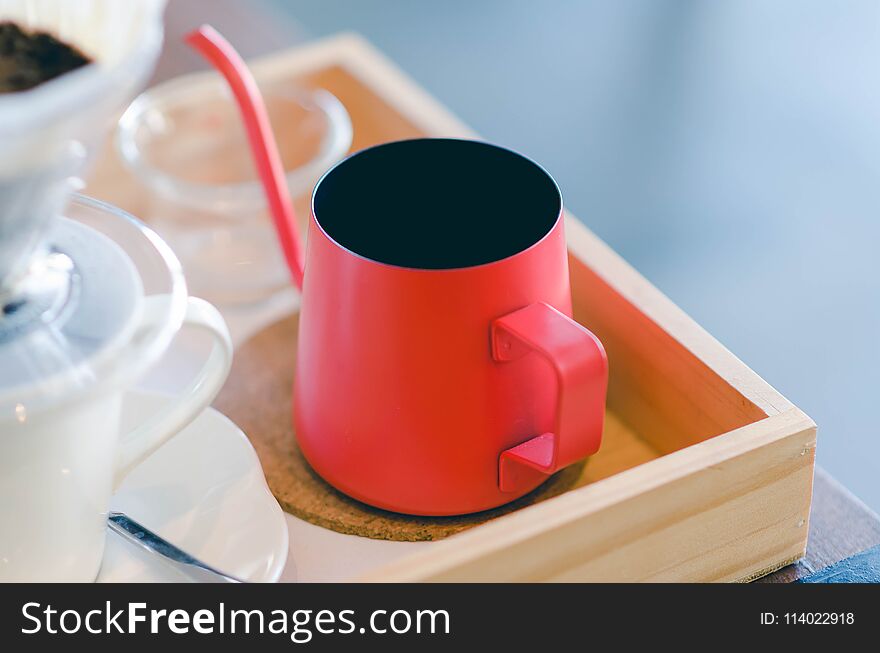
{"points": [[436, 203]]}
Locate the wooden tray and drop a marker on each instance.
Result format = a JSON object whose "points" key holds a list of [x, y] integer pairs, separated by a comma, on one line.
{"points": [[707, 473]]}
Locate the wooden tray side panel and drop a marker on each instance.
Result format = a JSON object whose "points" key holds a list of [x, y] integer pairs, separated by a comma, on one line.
{"points": [[734, 518], [666, 394]]}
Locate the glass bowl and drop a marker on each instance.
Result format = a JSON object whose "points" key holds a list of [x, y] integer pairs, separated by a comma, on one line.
{"points": [[185, 143]]}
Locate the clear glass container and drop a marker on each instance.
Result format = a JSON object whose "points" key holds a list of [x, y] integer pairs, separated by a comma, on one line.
{"points": [[185, 143]]}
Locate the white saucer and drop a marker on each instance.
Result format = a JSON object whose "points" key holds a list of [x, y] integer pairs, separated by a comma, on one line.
{"points": [[205, 492]]}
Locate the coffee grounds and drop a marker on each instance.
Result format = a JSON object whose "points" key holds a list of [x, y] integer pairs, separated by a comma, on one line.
{"points": [[28, 59]]}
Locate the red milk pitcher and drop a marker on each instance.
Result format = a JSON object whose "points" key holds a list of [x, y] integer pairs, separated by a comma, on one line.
{"points": [[439, 371]]}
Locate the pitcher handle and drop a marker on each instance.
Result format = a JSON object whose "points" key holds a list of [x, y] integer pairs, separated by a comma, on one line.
{"points": [[581, 367]]}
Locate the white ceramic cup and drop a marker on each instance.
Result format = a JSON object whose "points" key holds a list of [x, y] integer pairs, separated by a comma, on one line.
{"points": [[61, 461], [63, 465]]}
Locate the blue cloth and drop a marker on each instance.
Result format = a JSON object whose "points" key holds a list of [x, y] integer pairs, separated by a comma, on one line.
{"points": [[863, 567]]}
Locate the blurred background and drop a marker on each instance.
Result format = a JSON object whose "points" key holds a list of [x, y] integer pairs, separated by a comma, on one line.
{"points": [[730, 151]]}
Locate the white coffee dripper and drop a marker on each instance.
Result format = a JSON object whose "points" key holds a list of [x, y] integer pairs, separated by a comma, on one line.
{"points": [[48, 132], [89, 298]]}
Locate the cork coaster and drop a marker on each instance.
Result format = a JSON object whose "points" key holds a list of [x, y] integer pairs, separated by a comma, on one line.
{"points": [[257, 397]]}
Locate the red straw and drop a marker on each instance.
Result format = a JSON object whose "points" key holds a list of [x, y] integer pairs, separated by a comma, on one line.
{"points": [[229, 63]]}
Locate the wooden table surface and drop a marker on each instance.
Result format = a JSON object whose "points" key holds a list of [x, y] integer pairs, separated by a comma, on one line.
{"points": [[840, 524]]}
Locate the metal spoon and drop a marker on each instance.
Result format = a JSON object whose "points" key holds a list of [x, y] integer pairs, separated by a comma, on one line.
{"points": [[137, 534]]}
